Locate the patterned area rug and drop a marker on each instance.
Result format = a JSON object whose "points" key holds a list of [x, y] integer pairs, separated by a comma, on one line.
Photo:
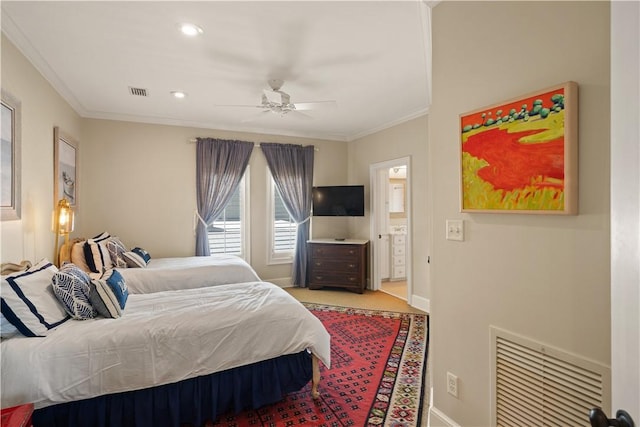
{"points": [[377, 375]]}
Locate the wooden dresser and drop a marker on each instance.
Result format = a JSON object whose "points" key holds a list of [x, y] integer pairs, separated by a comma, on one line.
{"points": [[340, 264]]}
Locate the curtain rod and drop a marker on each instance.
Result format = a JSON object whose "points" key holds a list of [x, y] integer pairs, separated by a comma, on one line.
{"points": [[193, 140]]}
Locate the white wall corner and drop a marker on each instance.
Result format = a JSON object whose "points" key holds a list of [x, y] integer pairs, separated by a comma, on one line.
{"points": [[438, 418], [421, 303]]}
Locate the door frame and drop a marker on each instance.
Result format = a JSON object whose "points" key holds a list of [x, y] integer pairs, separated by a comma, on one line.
{"points": [[377, 192]]}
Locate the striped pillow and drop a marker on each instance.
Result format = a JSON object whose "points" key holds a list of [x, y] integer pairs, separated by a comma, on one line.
{"points": [[103, 299], [137, 258], [28, 301], [96, 253]]}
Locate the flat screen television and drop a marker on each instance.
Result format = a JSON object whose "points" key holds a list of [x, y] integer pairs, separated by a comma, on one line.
{"points": [[338, 200]]}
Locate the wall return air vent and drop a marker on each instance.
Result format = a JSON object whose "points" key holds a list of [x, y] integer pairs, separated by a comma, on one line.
{"points": [[536, 384], [136, 91]]}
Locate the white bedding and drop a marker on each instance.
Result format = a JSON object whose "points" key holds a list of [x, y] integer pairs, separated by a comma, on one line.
{"points": [[165, 274], [162, 337]]}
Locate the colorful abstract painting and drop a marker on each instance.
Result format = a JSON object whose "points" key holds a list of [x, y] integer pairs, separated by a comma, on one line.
{"points": [[521, 155]]}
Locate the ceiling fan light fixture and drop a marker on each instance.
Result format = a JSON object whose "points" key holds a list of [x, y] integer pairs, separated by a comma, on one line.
{"points": [[190, 30], [179, 94]]}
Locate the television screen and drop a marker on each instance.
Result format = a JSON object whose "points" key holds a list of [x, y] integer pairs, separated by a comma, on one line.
{"points": [[338, 200]]}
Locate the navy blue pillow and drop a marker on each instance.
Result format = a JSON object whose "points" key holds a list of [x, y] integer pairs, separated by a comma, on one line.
{"points": [[143, 254], [117, 284]]}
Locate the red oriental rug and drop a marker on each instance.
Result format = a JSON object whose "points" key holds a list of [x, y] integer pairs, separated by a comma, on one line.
{"points": [[377, 375]]}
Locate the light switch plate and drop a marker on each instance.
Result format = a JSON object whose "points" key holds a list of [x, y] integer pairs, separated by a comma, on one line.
{"points": [[455, 229]]}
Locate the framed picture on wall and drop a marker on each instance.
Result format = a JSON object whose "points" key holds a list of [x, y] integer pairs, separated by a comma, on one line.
{"points": [[521, 155], [65, 168], [10, 160]]}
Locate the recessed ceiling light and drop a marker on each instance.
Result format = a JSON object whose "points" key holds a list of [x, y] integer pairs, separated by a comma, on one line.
{"points": [[178, 94], [190, 30]]}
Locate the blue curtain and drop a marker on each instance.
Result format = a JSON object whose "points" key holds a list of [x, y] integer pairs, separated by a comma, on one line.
{"points": [[292, 169], [220, 165]]}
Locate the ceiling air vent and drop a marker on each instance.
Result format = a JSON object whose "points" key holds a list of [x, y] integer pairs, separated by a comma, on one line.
{"points": [[136, 91]]}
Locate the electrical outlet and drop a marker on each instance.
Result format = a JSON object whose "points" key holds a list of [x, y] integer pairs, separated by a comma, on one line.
{"points": [[452, 385]]}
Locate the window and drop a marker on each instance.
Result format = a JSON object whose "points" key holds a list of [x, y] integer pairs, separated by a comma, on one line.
{"points": [[229, 233], [283, 229]]}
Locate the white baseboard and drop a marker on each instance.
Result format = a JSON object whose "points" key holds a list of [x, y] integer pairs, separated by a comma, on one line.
{"points": [[420, 303], [283, 282], [438, 418]]}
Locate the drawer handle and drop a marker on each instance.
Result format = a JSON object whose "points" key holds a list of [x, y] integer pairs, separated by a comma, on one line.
{"points": [[319, 277], [352, 279], [351, 252], [352, 266], [318, 264]]}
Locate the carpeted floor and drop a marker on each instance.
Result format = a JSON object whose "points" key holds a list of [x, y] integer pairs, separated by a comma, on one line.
{"points": [[378, 367]]}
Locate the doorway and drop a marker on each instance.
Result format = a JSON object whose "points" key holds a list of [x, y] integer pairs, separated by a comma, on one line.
{"points": [[391, 227]]}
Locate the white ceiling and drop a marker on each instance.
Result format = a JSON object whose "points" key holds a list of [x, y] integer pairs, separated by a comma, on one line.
{"points": [[368, 56]]}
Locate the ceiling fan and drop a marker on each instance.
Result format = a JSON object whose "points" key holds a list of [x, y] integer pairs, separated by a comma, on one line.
{"points": [[279, 102]]}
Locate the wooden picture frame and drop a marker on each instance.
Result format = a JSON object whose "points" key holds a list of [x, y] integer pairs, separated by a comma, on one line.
{"points": [[521, 155], [65, 168], [10, 158]]}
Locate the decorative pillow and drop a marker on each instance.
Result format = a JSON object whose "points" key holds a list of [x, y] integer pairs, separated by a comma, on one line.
{"points": [[28, 301], [137, 257], [116, 283], [96, 253], [71, 286], [77, 256], [116, 251], [7, 330], [104, 300]]}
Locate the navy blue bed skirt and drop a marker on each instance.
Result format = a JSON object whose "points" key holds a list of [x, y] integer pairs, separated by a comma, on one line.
{"points": [[192, 401]]}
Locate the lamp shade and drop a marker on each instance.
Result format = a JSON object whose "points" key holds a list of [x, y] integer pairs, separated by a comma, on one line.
{"points": [[63, 218]]}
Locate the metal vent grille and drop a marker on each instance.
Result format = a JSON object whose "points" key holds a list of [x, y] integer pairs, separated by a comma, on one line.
{"points": [[136, 91], [537, 385]]}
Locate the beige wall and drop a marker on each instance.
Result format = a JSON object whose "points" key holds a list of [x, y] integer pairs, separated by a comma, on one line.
{"points": [[544, 277], [30, 237], [408, 139], [139, 183]]}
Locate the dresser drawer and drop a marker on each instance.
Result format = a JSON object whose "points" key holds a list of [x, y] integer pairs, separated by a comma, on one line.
{"points": [[399, 272], [399, 239], [399, 250], [398, 260], [335, 251], [328, 278], [331, 264]]}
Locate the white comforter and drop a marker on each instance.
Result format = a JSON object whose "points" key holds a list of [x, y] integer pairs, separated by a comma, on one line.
{"points": [[161, 338], [166, 274]]}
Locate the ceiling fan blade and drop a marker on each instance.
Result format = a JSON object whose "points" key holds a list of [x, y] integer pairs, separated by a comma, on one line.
{"points": [[299, 115], [314, 105]]}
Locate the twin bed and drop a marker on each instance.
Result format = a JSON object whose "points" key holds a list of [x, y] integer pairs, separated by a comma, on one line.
{"points": [[199, 336]]}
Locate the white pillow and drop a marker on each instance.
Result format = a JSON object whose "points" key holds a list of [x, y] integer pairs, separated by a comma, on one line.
{"points": [[7, 330], [28, 301], [77, 256]]}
